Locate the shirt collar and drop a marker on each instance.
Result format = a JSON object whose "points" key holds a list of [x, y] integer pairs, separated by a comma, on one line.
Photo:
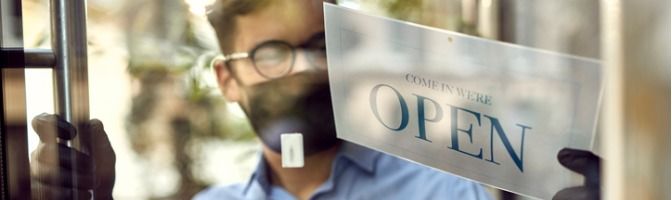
{"points": [[260, 176], [362, 157]]}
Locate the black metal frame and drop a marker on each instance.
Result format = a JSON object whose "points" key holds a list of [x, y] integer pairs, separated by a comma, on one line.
{"points": [[14, 163]]}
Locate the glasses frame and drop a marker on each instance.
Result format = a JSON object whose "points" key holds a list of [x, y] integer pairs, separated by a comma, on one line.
{"points": [[250, 55], [227, 58]]}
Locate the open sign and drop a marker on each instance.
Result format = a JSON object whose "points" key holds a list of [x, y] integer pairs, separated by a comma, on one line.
{"points": [[422, 118], [488, 111]]}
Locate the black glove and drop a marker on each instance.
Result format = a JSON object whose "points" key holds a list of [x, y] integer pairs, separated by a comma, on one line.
{"points": [[52, 162], [586, 164]]}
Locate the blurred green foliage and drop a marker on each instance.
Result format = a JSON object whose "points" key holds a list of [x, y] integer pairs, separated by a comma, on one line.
{"points": [[407, 10], [168, 61]]}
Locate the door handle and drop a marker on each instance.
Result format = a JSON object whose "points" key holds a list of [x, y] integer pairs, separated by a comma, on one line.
{"points": [[71, 91]]}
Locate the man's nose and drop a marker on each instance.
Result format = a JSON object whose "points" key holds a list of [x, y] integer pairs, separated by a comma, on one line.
{"points": [[307, 59]]}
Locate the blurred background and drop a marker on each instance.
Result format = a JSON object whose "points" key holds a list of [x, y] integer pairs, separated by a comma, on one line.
{"points": [[151, 84]]}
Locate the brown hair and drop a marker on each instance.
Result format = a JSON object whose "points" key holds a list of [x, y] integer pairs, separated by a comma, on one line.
{"points": [[222, 18]]}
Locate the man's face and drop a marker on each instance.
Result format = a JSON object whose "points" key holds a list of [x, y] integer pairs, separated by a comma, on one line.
{"points": [[297, 102]]}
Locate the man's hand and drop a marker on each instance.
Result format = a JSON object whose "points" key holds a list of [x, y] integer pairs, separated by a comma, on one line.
{"points": [[586, 164], [55, 167]]}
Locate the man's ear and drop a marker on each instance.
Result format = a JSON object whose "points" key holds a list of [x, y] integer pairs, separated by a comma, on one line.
{"points": [[227, 83]]}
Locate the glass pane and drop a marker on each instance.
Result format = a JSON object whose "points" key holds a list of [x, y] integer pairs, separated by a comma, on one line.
{"points": [[179, 126]]}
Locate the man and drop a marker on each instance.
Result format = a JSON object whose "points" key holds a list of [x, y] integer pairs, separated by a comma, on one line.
{"points": [[274, 66], [281, 84]]}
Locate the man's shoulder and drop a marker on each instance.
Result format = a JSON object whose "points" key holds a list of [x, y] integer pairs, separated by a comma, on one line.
{"points": [[231, 191]]}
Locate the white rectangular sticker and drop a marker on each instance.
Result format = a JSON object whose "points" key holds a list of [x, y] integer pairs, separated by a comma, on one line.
{"points": [[291, 150], [488, 111]]}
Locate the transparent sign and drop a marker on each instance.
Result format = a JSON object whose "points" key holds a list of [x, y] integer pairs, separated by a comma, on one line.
{"points": [[488, 111]]}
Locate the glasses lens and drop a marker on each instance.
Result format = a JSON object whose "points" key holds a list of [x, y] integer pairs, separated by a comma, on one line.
{"points": [[273, 59]]}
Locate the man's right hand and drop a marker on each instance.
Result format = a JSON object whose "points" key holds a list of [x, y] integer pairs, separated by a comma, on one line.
{"points": [[55, 167]]}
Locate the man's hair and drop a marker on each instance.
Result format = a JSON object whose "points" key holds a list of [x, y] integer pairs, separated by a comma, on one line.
{"points": [[222, 18]]}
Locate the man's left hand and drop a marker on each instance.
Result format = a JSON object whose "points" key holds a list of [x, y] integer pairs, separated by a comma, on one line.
{"points": [[585, 163]]}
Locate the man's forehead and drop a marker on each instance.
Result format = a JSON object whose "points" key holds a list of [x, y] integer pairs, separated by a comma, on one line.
{"points": [[290, 20]]}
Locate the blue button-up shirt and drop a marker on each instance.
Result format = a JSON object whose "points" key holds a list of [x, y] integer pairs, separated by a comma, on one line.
{"points": [[360, 173]]}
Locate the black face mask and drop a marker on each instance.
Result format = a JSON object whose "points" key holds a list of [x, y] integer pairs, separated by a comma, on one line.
{"points": [[299, 103]]}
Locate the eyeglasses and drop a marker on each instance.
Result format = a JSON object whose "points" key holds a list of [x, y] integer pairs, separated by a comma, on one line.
{"points": [[275, 58]]}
